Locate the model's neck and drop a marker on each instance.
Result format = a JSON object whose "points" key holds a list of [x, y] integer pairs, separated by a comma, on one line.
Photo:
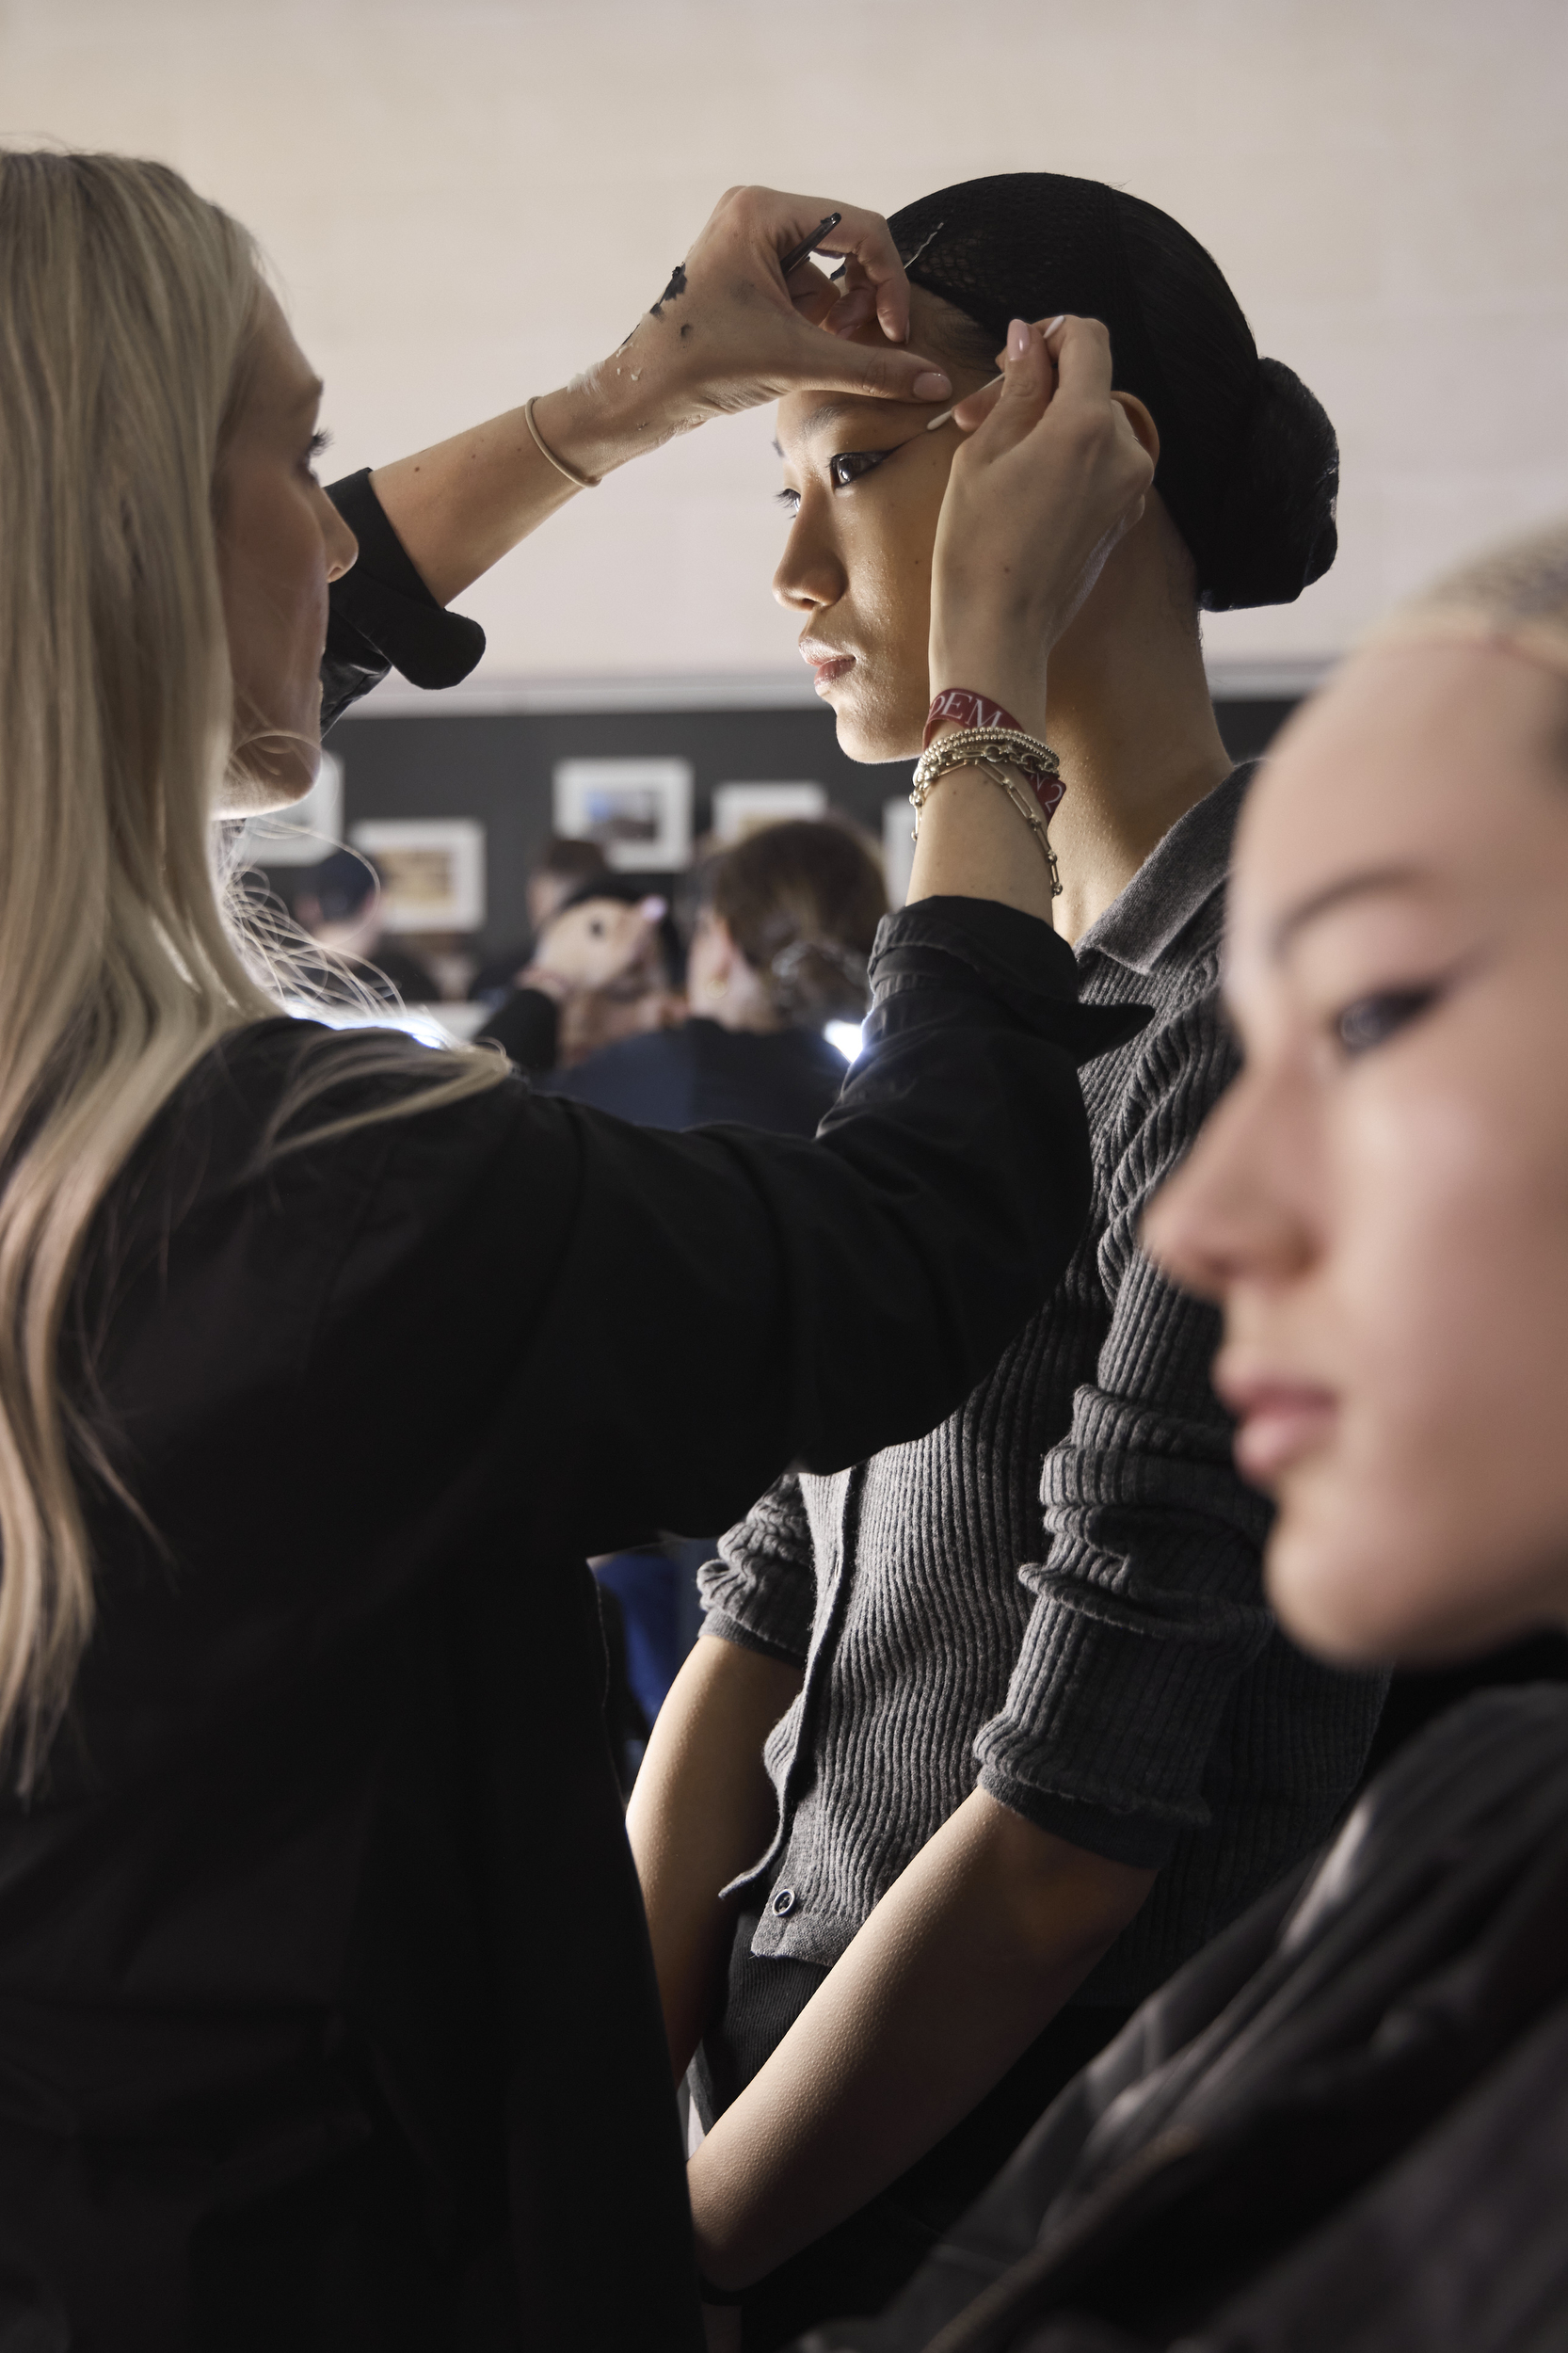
{"points": [[1129, 716]]}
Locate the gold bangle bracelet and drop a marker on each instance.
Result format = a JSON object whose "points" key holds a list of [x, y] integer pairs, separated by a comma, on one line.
{"points": [[578, 481]]}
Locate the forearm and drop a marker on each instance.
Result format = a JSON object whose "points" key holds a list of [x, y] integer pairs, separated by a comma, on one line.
{"points": [[964, 1961], [725, 335], [703, 1809], [459, 506], [973, 844]]}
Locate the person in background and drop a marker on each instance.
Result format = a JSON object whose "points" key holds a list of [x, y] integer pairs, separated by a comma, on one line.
{"points": [[606, 967], [340, 904], [785, 925], [556, 873], [1343, 2128]]}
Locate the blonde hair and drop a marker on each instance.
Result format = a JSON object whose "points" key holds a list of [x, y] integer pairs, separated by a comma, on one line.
{"points": [[128, 312], [1515, 595]]}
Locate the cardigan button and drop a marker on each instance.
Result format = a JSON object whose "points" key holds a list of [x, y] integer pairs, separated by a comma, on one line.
{"points": [[783, 1902]]}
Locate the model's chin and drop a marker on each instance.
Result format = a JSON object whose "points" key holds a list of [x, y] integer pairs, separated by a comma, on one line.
{"points": [[1357, 1590], [871, 735]]}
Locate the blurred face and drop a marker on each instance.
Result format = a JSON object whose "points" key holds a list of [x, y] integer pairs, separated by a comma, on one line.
{"points": [[280, 542], [863, 484], [1380, 1202]]}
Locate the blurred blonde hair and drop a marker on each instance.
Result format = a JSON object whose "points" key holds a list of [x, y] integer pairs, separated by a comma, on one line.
{"points": [[128, 310], [1516, 594]]}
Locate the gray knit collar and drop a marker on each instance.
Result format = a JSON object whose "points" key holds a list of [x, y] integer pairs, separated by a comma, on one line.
{"points": [[1175, 883]]}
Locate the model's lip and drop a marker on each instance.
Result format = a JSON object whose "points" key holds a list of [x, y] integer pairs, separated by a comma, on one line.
{"points": [[1282, 1417], [827, 661]]}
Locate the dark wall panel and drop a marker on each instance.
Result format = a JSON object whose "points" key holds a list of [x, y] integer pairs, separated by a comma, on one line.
{"points": [[497, 768]]}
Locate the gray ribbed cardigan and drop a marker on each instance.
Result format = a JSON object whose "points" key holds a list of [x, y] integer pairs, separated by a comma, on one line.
{"points": [[1106, 1666]]}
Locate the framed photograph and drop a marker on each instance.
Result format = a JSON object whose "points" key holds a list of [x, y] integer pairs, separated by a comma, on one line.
{"points": [[740, 809], [432, 871], [304, 834], [638, 810]]}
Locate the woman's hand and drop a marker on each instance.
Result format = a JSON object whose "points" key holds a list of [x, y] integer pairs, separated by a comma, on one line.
{"points": [[727, 332], [1054, 473]]}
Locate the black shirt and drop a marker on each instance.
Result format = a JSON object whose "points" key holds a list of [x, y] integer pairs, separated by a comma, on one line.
{"points": [[784, 1080], [326, 2012]]}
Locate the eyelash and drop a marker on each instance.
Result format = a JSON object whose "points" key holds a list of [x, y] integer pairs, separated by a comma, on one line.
{"points": [[865, 461], [318, 446], [1370, 1021]]}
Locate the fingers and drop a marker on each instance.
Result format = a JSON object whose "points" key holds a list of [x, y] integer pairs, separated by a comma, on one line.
{"points": [[865, 238], [828, 362], [1010, 410], [814, 297], [780, 221], [1081, 348]]}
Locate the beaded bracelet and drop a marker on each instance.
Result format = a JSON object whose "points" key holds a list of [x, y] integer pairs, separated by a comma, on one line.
{"points": [[990, 749], [971, 711], [1036, 760]]}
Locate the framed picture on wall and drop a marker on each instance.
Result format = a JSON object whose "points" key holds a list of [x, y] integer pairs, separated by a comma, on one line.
{"points": [[740, 809], [638, 810], [432, 871]]}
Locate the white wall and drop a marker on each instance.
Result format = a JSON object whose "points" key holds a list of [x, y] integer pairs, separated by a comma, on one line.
{"points": [[469, 199]]}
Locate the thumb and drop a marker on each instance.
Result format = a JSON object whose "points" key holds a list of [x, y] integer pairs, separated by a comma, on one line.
{"points": [[821, 361], [1028, 381]]}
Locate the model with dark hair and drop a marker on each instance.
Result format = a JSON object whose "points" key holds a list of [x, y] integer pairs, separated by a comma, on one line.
{"points": [[953, 1780]]}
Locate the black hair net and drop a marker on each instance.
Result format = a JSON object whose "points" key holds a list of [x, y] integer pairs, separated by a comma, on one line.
{"points": [[1249, 465]]}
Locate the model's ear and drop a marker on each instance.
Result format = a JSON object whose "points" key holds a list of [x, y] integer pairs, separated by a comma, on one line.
{"points": [[1142, 423]]}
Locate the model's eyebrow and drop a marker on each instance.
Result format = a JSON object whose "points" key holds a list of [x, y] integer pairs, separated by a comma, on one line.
{"points": [[826, 413], [1371, 882]]}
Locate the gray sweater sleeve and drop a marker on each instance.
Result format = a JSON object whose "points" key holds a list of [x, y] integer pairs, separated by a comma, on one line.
{"points": [[761, 1591], [1150, 1596]]}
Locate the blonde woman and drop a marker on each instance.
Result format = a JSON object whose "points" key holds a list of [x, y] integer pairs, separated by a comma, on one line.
{"points": [[327, 2017]]}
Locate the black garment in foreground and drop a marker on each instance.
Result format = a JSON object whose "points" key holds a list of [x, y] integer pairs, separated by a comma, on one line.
{"points": [[327, 2015], [382, 616], [784, 1080], [527, 1026], [1341, 2129]]}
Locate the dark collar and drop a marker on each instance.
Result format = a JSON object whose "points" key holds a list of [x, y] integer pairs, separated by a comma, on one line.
{"points": [[1174, 883]]}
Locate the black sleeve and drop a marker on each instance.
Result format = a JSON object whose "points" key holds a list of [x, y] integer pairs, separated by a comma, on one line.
{"points": [[527, 1026], [652, 1326], [382, 616]]}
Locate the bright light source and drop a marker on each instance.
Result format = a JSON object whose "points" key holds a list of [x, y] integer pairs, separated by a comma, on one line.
{"points": [[845, 1035]]}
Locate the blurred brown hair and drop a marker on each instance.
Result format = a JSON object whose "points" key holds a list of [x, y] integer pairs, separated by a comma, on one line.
{"points": [[802, 902]]}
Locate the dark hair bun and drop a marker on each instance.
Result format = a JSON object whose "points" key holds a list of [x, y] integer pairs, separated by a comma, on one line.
{"points": [[1274, 534]]}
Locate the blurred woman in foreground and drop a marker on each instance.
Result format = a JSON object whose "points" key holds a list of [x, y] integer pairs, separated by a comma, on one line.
{"points": [[327, 2016], [1344, 2127]]}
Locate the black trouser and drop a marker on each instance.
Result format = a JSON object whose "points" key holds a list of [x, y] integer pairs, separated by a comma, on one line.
{"points": [[857, 2268]]}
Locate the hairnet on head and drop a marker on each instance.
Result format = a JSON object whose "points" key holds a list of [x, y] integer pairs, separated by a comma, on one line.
{"points": [[1249, 465]]}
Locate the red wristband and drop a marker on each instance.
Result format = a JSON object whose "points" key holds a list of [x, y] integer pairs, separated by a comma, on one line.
{"points": [[969, 710]]}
